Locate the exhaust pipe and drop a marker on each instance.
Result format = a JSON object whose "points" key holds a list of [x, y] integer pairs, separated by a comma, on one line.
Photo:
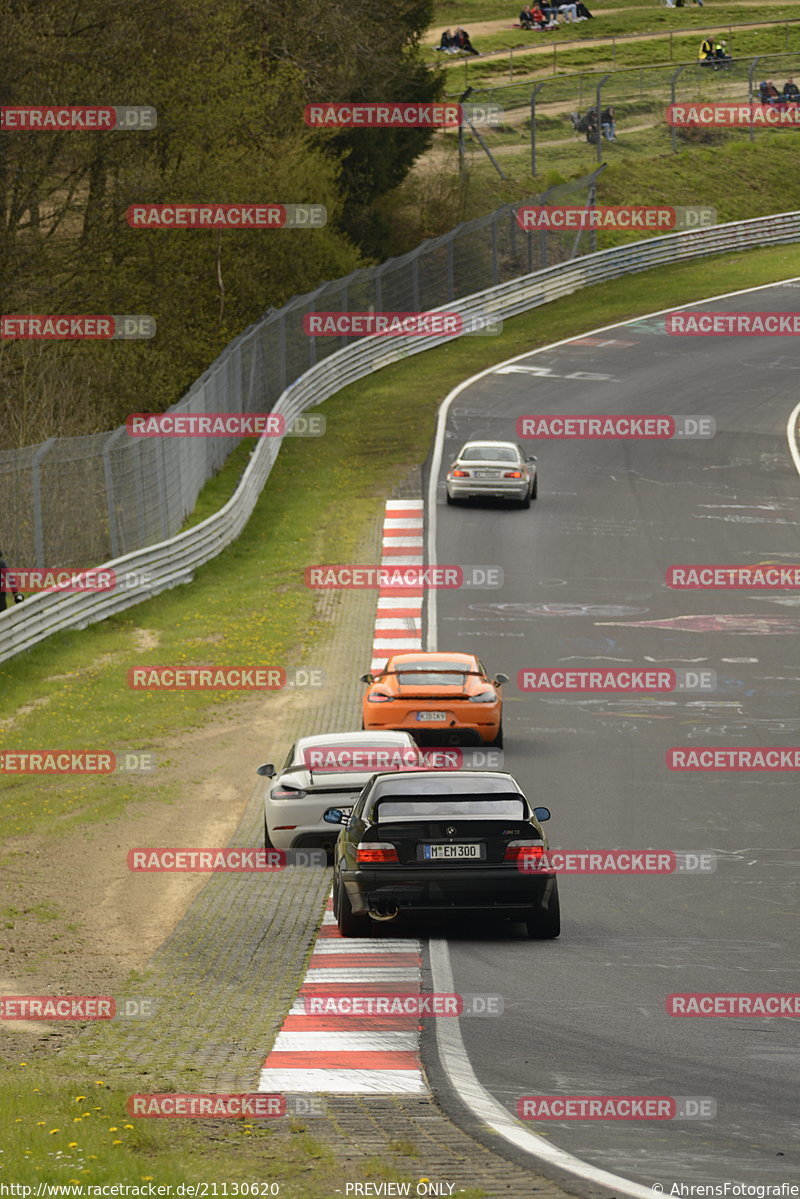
{"points": [[384, 913]]}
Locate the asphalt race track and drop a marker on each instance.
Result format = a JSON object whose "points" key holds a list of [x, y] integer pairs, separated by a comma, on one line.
{"points": [[585, 585]]}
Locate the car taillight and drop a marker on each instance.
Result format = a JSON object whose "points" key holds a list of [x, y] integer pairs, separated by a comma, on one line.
{"points": [[528, 855], [513, 474], [460, 474], [378, 697], [376, 851], [287, 793]]}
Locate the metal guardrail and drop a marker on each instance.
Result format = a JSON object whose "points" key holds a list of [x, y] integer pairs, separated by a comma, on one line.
{"points": [[147, 572]]}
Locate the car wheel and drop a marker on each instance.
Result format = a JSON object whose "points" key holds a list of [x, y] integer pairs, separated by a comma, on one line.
{"points": [[450, 498], [350, 925], [535, 489], [526, 503], [498, 741], [546, 924]]}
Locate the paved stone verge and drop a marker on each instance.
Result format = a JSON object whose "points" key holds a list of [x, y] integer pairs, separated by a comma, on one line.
{"points": [[223, 981]]}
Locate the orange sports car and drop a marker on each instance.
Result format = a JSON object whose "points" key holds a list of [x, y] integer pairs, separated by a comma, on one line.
{"points": [[448, 695]]}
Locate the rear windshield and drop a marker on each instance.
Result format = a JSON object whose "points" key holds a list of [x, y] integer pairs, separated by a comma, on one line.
{"points": [[489, 453], [431, 674], [439, 786], [467, 807]]}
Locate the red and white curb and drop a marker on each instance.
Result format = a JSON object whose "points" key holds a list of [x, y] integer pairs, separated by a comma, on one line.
{"points": [[398, 621], [350, 1055]]}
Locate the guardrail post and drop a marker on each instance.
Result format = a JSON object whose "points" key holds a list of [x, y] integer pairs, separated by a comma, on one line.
{"points": [[672, 82], [750, 76], [36, 487]]}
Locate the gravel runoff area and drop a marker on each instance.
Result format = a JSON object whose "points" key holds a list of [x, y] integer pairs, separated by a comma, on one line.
{"points": [[225, 978]]}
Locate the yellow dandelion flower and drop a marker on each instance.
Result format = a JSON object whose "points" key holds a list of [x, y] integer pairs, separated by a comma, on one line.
{"points": [[127, 1126], [113, 1128], [72, 1145], [116, 1142], [52, 1130]]}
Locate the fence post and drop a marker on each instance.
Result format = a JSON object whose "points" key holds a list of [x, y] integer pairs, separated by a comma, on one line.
{"points": [[750, 75], [672, 82], [282, 353], [597, 113], [111, 504], [36, 487], [534, 94]]}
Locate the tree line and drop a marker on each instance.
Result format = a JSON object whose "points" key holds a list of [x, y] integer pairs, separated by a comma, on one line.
{"points": [[229, 81]]}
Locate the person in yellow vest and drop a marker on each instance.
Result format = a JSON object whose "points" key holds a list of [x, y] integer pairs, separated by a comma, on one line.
{"points": [[706, 51]]}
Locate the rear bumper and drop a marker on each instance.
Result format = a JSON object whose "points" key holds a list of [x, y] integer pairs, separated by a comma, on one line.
{"points": [[473, 731], [503, 489], [501, 889]]}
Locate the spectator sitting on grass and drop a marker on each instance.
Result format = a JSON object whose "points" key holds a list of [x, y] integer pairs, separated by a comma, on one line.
{"points": [[544, 20], [791, 92], [447, 43], [526, 18], [768, 93], [721, 51], [462, 41], [706, 51], [570, 11], [583, 12]]}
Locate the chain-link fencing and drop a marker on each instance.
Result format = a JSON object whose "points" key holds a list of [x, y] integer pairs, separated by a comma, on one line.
{"points": [[542, 119], [77, 501]]}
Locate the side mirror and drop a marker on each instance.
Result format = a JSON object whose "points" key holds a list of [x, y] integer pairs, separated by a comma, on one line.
{"points": [[541, 814], [531, 458], [367, 678], [337, 815], [501, 678], [267, 770]]}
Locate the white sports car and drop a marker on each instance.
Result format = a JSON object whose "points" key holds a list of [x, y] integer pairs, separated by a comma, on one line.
{"points": [[326, 771]]}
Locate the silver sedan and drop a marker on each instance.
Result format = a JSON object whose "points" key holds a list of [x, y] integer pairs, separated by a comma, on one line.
{"points": [[499, 469]]}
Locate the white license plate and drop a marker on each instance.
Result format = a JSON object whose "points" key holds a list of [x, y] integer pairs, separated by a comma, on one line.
{"points": [[485, 474], [433, 717], [459, 850]]}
